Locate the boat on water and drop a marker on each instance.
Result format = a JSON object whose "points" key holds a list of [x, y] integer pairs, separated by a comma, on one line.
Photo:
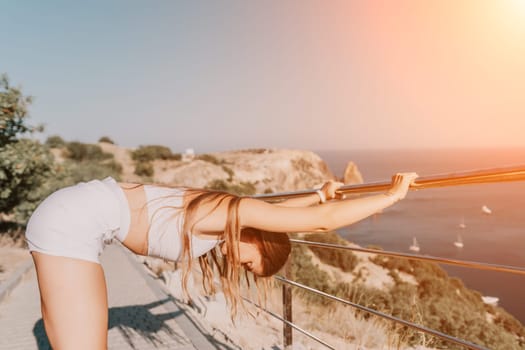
{"points": [[459, 242], [486, 210], [462, 224], [415, 246], [490, 300]]}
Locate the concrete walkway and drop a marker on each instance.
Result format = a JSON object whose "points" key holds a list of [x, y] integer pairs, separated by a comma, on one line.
{"points": [[141, 314]]}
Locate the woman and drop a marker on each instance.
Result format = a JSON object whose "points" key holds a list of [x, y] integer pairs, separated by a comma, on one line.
{"points": [[70, 228]]}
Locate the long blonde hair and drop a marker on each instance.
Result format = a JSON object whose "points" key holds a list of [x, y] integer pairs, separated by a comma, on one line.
{"points": [[273, 247]]}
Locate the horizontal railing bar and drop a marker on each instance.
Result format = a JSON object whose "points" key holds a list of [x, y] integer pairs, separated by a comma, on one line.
{"points": [[504, 174], [380, 314], [291, 324], [472, 264]]}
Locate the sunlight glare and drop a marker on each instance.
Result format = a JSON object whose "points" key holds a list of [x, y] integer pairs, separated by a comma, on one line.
{"points": [[513, 17], [519, 5]]}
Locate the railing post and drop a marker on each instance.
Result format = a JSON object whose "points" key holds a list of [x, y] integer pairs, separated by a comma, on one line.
{"points": [[287, 307]]}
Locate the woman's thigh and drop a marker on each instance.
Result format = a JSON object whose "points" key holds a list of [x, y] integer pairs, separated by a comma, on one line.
{"points": [[73, 300]]}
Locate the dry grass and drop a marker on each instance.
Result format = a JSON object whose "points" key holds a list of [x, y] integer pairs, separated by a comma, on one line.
{"points": [[355, 329]]}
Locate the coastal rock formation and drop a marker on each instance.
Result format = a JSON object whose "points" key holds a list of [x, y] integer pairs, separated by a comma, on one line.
{"points": [[262, 170], [277, 170], [352, 175]]}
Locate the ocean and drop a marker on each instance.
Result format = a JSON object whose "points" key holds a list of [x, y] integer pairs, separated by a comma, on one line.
{"points": [[434, 215]]}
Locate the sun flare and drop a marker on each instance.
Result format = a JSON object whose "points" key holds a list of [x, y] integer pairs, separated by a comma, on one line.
{"points": [[519, 5]]}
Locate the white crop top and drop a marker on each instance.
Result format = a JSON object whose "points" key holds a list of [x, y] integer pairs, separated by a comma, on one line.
{"points": [[166, 219]]}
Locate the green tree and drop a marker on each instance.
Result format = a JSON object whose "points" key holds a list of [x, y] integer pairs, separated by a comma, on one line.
{"points": [[55, 141], [25, 164], [13, 112], [153, 152], [344, 259], [79, 152], [106, 139], [144, 169]]}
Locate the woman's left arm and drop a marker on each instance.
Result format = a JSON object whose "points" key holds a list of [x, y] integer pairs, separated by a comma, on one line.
{"points": [[326, 217]]}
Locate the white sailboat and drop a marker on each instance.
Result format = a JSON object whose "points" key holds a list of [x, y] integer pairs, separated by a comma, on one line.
{"points": [[486, 210], [414, 247], [490, 300], [462, 224], [459, 242]]}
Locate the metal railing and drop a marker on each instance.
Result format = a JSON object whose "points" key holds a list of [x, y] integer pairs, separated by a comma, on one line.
{"points": [[505, 174]]}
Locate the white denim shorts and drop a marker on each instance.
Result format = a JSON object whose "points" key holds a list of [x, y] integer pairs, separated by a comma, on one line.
{"points": [[80, 220]]}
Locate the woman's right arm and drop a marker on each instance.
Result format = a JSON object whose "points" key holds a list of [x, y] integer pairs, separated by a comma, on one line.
{"points": [[326, 217]]}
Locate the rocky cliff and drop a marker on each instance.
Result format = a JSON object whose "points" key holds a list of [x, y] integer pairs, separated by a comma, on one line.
{"points": [[263, 170]]}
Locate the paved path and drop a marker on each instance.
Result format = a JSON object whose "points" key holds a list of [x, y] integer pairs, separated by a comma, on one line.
{"points": [[141, 314]]}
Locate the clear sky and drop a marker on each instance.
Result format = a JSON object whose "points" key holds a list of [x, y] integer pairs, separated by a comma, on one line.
{"points": [[218, 75]]}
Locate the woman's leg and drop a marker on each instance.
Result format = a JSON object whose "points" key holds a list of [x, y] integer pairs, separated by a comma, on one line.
{"points": [[74, 302]]}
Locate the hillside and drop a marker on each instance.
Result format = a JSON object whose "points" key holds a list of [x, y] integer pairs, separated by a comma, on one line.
{"points": [[412, 290], [268, 170]]}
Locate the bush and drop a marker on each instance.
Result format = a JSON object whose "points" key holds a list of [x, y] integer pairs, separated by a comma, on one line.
{"points": [[153, 152], [55, 141], [404, 265], [305, 272], [106, 139], [144, 169], [85, 152], [68, 173], [208, 158], [228, 171], [344, 259], [241, 189], [13, 113], [445, 304], [24, 167], [12, 234], [89, 170]]}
